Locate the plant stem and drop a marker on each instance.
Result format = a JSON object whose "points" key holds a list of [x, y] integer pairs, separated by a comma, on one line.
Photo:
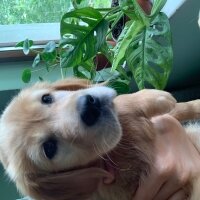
{"points": [[61, 69], [35, 51], [36, 70], [74, 4], [114, 10], [120, 15], [104, 9], [112, 17], [122, 71]]}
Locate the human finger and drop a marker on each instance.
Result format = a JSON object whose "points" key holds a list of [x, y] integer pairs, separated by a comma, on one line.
{"points": [[149, 186], [179, 195], [170, 187]]}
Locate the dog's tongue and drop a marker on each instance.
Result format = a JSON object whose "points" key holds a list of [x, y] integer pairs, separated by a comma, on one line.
{"points": [[108, 180], [108, 167]]}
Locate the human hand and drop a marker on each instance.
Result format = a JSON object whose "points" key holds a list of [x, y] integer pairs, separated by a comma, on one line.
{"points": [[176, 163]]}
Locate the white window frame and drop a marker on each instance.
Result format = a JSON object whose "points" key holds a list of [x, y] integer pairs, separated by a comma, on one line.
{"points": [[172, 6]]}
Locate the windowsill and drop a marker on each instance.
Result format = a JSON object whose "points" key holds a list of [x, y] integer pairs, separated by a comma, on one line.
{"points": [[10, 54]]}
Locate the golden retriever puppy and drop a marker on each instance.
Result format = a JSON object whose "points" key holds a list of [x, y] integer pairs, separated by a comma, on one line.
{"points": [[66, 140]]}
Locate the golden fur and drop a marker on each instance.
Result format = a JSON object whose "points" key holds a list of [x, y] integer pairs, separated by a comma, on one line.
{"points": [[119, 145]]}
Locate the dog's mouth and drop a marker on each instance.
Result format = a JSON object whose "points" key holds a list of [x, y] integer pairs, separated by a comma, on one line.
{"points": [[107, 166], [103, 164]]}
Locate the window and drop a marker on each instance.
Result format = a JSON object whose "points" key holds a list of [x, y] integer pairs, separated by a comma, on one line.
{"points": [[43, 11], [37, 20]]}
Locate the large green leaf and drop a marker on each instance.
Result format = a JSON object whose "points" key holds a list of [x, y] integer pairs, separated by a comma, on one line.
{"points": [[84, 39], [149, 55], [85, 70], [157, 6], [122, 87], [133, 10], [128, 34]]}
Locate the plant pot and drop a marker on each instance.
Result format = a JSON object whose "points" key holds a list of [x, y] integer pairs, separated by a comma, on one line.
{"points": [[146, 5]]}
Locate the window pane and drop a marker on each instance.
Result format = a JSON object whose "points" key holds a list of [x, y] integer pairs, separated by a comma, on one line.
{"points": [[39, 11]]}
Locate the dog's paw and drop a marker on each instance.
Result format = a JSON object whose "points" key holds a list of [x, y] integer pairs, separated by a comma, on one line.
{"points": [[161, 101]]}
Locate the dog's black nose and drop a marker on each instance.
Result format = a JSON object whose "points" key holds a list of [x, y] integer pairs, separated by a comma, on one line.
{"points": [[89, 108]]}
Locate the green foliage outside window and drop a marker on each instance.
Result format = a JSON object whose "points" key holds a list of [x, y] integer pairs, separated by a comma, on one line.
{"points": [[43, 11]]}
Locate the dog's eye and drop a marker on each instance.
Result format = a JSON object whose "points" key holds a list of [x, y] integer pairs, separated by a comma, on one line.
{"points": [[50, 148], [47, 99]]}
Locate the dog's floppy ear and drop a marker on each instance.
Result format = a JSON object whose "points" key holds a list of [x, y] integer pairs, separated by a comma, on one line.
{"points": [[3, 158], [74, 185], [71, 84]]}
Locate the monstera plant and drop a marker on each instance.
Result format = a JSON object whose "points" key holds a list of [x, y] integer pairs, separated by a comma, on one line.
{"points": [[143, 50]]}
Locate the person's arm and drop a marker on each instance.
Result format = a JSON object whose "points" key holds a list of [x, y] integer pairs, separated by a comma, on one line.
{"points": [[176, 163]]}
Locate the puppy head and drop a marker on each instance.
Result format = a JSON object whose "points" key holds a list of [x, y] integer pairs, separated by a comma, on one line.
{"points": [[49, 130]]}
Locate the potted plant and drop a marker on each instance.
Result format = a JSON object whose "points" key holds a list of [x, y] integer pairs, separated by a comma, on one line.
{"points": [[142, 52]]}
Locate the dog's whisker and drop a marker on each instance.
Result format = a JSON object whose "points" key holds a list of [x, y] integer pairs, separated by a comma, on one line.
{"points": [[115, 165], [106, 144], [97, 151], [123, 145], [73, 139], [112, 163]]}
